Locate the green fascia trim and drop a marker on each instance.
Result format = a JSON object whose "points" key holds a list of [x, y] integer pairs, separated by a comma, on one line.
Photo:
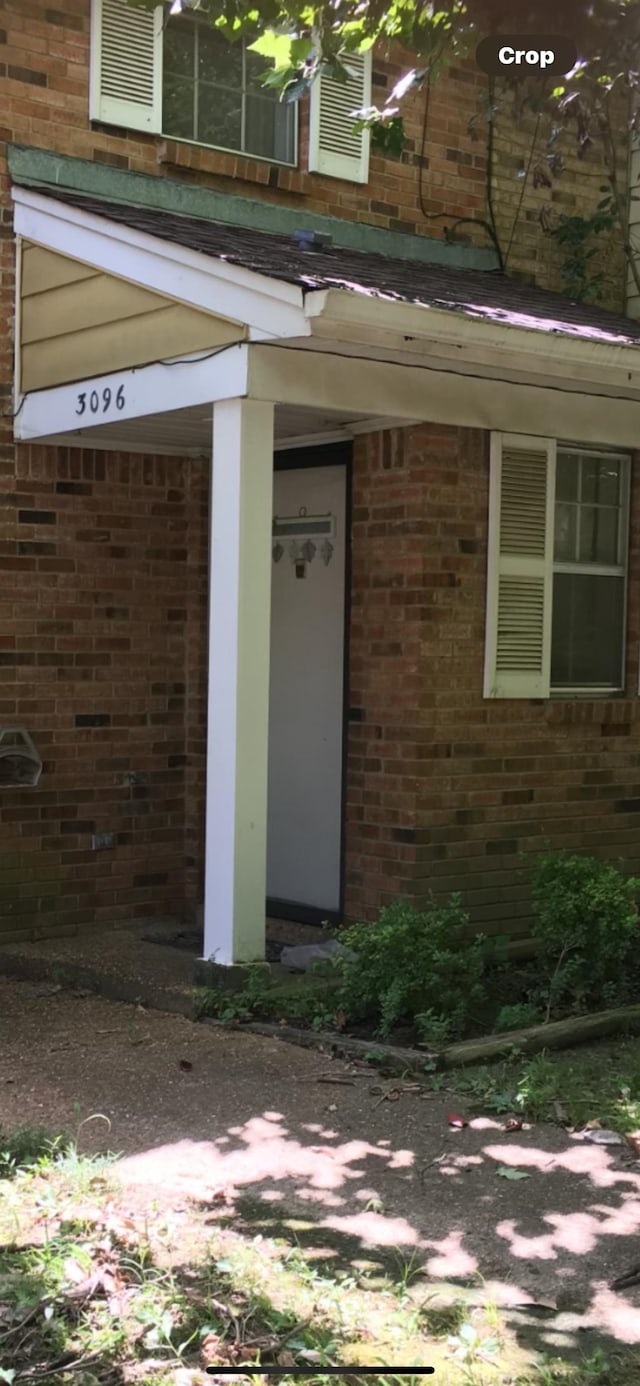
{"points": [[42, 168]]}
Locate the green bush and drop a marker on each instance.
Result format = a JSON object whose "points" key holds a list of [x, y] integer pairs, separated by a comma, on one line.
{"points": [[518, 1016], [413, 963], [586, 922]]}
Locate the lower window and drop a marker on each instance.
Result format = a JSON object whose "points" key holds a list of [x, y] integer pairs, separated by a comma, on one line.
{"points": [[589, 570]]}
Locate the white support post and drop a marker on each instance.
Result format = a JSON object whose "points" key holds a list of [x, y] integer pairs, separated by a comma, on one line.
{"points": [[238, 700]]}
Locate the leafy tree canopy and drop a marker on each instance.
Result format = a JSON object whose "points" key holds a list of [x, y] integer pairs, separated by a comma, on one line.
{"points": [[299, 41]]}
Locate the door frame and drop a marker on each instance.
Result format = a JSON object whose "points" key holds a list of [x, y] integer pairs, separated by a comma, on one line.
{"points": [[297, 459]]}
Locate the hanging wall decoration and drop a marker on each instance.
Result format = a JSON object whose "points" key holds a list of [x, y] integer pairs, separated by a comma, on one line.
{"points": [[299, 529]]}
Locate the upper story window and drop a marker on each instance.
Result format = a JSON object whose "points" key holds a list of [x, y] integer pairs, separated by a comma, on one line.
{"points": [[212, 93], [181, 78]]}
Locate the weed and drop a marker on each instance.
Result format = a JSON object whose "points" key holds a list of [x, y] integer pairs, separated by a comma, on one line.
{"points": [[26, 1146]]}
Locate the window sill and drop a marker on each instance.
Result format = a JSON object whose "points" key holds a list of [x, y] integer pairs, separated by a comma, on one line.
{"points": [[596, 695], [179, 142], [216, 163]]}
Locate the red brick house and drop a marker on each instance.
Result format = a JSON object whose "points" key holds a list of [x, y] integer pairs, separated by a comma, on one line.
{"points": [[320, 542]]}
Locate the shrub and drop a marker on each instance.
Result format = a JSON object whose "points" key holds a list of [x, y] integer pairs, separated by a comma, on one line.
{"points": [[518, 1016], [586, 921], [412, 963]]}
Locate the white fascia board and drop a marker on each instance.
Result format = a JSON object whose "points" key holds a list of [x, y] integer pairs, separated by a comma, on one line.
{"points": [[187, 276], [336, 313], [327, 380], [143, 390]]}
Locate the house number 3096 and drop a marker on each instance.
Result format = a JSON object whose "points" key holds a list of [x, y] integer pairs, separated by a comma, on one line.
{"points": [[101, 401]]}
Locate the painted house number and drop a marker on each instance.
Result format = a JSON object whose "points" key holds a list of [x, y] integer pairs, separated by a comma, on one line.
{"points": [[101, 401]]}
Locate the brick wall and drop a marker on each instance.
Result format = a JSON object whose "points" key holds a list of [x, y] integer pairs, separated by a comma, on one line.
{"points": [[446, 789], [101, 560], [441, 176]]}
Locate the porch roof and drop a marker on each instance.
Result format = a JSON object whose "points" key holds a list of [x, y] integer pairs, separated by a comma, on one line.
{"points": [[480, 294], [341, 341]]}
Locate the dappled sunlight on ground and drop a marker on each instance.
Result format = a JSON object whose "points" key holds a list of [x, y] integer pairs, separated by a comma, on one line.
{"points": [[615, 1315], [341, 1182], [374, 1229], [451, 1259], [263, 1150], [580, 1159], [574, 1232]]}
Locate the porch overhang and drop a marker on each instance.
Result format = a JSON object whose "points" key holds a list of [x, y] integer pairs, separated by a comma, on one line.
{"points": [[333, 360]]}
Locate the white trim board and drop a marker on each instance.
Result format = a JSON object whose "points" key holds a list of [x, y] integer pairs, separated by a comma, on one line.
{"points": [[326, 381], [188, 276], [338, 314], [317, 380], [147, 390]]}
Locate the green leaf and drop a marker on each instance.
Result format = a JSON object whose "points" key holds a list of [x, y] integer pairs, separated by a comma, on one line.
{"points": [[275, 46], [506, 1172]]}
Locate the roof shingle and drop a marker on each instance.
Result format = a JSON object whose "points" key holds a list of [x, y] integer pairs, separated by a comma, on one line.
{"points": [[483, 294]]}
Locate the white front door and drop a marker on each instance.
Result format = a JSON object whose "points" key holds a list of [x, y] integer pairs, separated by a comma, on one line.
{"points": [[307, 687]]}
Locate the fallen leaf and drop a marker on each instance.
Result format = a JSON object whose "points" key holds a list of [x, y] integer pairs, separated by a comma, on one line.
{"points": [[457, 1122], [507, 1172], [513, 1124]]}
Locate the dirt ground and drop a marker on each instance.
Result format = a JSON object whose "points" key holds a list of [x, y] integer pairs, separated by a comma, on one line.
{"points": [[193, 1110]]}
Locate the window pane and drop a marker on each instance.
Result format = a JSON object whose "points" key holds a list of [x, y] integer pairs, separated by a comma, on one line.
{"points": [[178, 53], [256, 68], [586, 646], [219, 116], [566, 520], [598, 534], [600, 480], [177, 107], [567, 471], [269, 128], [218, 60]]}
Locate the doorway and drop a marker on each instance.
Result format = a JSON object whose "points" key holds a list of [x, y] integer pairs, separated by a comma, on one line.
{"points": [[307, 684]]}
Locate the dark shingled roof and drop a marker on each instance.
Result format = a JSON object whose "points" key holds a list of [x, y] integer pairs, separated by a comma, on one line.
{"points": [[483, 294]]}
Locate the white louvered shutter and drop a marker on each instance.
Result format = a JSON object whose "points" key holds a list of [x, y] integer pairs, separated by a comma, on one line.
{"points": [[126, 65], [334, 147], [520, 567]]}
